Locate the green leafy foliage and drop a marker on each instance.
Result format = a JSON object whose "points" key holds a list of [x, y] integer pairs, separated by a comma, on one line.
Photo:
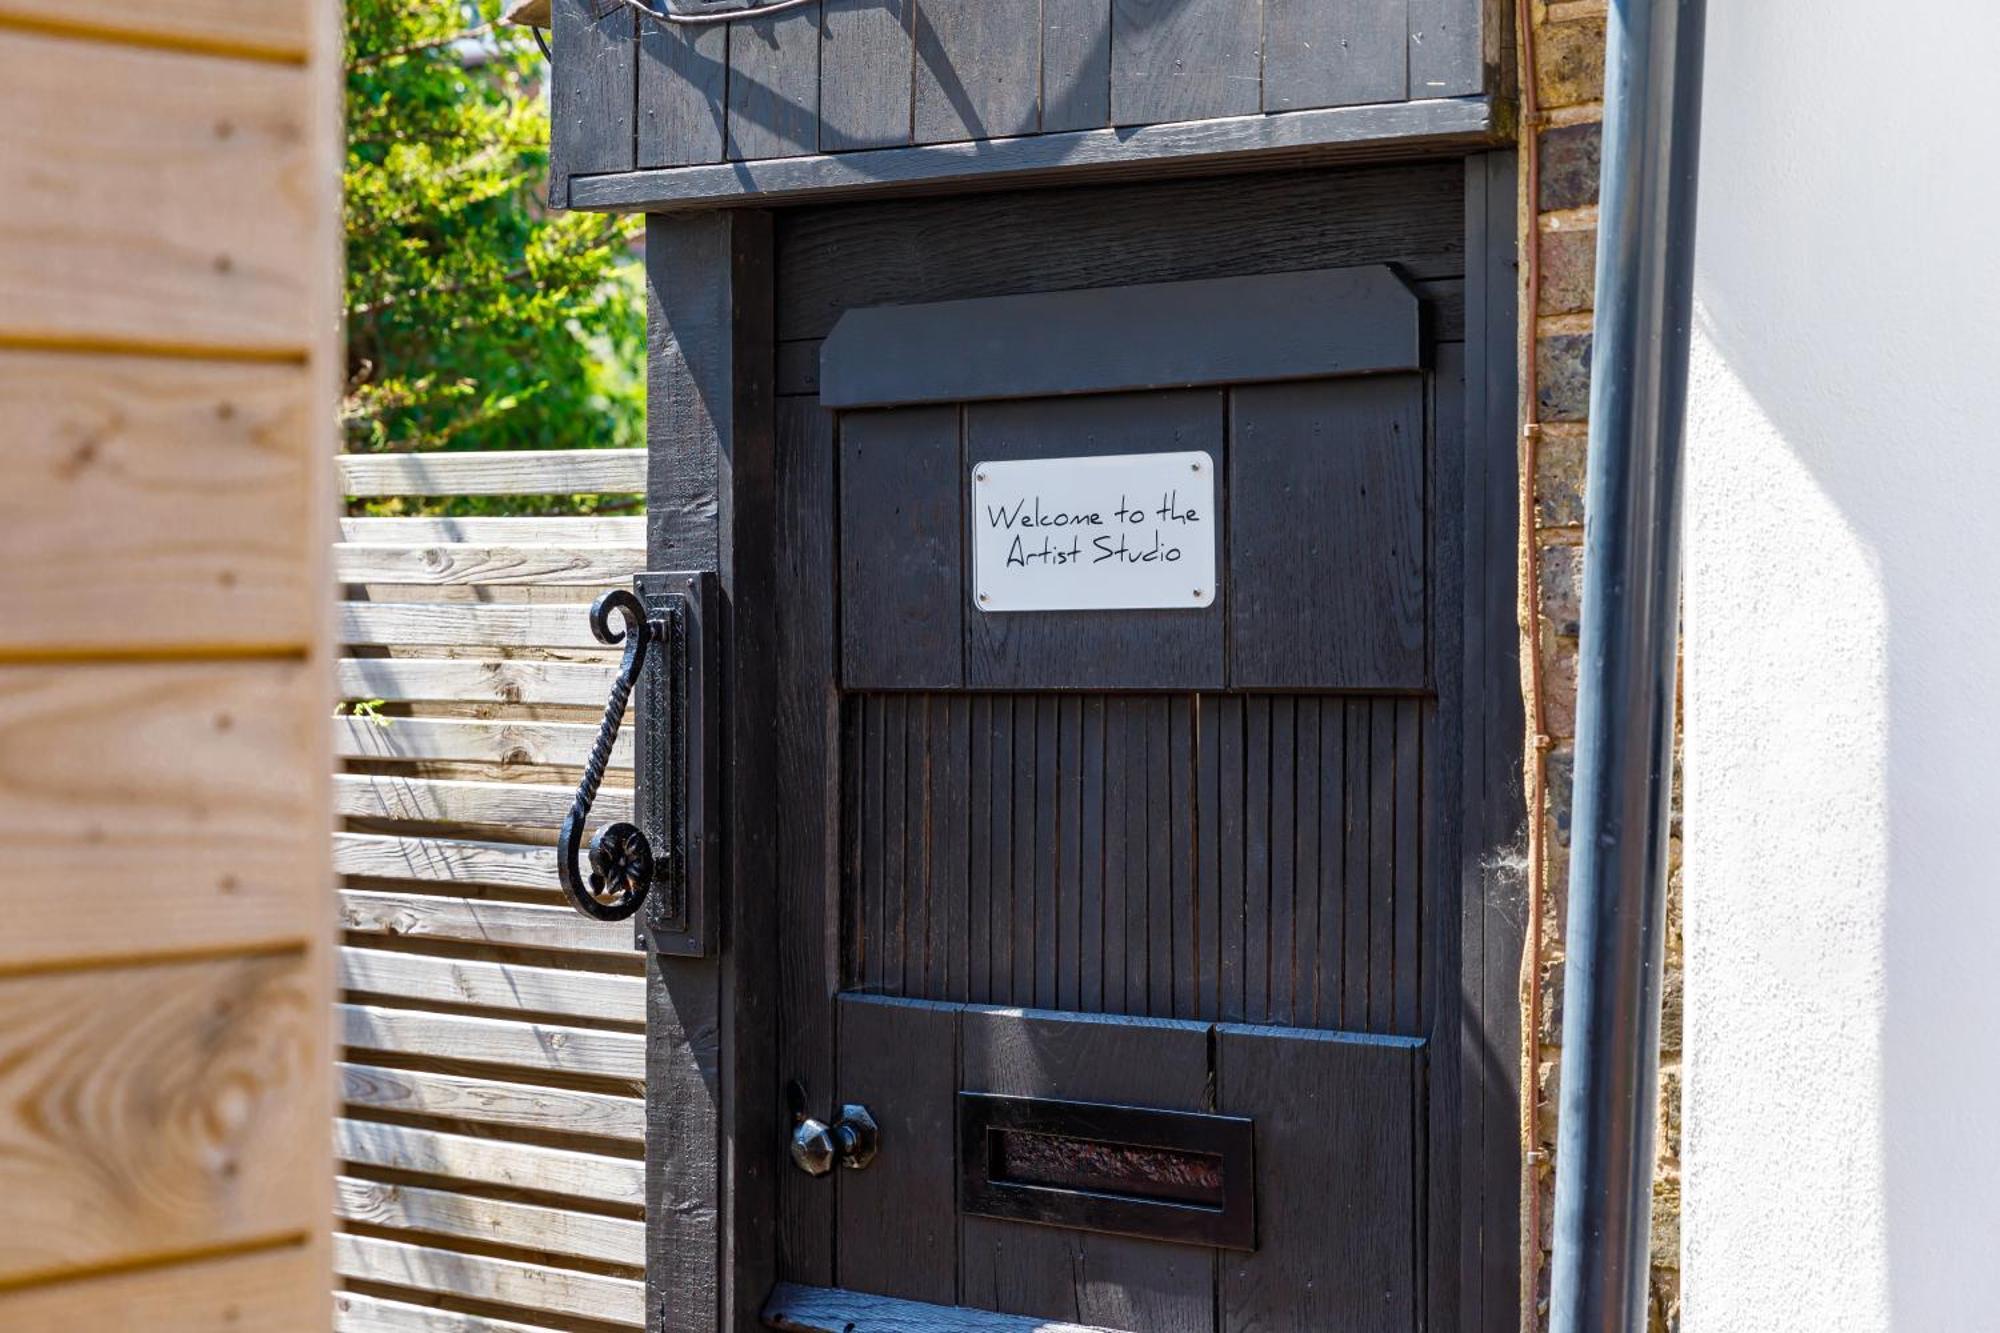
{"points": [[476, 319]]}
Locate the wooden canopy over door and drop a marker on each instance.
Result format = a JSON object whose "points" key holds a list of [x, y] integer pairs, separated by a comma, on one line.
{"points": [[1208, 884]]}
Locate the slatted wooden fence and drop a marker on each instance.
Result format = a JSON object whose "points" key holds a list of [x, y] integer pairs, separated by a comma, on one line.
{"points": [[491, 1174]]}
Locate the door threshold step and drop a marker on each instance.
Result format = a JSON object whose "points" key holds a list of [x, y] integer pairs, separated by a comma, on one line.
{"points": [[796, 1309]]}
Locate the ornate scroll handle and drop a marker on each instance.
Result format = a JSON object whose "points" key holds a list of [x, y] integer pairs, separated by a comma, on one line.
{"points": [[621, 860]]}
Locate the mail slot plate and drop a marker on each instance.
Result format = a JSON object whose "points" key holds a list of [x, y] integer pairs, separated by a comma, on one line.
{"points": [[1131, 1170]]}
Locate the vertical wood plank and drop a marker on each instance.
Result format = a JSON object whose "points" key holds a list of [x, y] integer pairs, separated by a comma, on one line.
{"points": [[865, 73], [1407, 1013], [1306, 871], [897, 1235], [1093, 886], [1159, 861], [774, 86], [1117, 857], [1381, 865], [950, 860], [895, 780], [1333, 864], [901, 608], [1069, 851], [1284, 860], [1181, 815], [978, 69], [593, 87], [1231, 831], [715, 1122], [1056, 1273], [982, 854], [683, 81], [1023, 923], [1335, 52], [1327, 489], [1138, 888], [1453, 46], [1048, 816], [1208, 856], [1257, 887], [1076, 65], [1341, 1112], [808, 737], [1000, 869], [1177, 60], [873, 886], [1354, 878]]}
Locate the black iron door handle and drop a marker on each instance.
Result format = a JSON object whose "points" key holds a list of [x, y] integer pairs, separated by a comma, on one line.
{"points": [[621, 860], [851, 1141]]}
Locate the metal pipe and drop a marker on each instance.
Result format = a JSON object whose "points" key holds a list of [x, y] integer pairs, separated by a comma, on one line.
{"points": [[1625, 704]]}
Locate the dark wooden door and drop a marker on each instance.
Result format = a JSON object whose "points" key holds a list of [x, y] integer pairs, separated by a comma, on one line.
{"points": [[1141, 933]]}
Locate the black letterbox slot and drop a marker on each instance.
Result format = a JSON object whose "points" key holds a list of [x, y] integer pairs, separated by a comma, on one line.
{"points": [[1132, 1170]]}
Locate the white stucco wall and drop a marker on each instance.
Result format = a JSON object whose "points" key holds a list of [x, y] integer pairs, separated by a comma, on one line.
{"points": [[1841, 1148]]}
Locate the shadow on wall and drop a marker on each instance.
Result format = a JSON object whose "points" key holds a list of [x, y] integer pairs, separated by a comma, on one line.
{"points": [[1843, 692]]}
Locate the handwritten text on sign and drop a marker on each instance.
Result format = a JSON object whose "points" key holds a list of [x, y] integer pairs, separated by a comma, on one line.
{"points": [[1094, 534]]}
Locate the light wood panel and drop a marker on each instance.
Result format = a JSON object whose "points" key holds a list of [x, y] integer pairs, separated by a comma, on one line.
{"points": [[252, 28], [154, 504], [158, 200], [515, 472], [156, 1110], [180, 800], [259, 1290]]}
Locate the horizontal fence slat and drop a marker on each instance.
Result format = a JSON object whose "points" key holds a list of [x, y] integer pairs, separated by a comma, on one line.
{"points": [[500, 1281], [451, 740], [471, 921], [464, 624], [482, 985], [525, 1225], [489, 1161], [527, 805], [493, 1041], [445, 861], [508, 472], [566, 565], [493, 1102], [577, 529], [354, 1312], [419, 680]]}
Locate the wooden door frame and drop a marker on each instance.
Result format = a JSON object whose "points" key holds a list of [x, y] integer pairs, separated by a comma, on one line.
{"points": [[715, 1122]]}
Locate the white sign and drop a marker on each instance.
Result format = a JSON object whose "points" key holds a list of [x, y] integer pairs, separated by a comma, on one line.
{"points": [[1094, 534]]}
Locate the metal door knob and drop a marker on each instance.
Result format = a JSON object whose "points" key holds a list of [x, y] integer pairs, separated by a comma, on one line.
{"points": [[850, 1141]]}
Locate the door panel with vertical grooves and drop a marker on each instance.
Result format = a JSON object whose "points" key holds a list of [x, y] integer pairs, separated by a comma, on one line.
{"points": [[1247, 858]]}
